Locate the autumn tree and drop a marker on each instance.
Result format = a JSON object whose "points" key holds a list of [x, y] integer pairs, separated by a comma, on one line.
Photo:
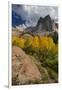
{"points": [[18, 41]]}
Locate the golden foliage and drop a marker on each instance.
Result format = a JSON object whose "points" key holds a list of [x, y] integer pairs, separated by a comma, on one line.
{"points": [[28, 42], [18, 41], [46, 42], [43, 42], [36, 42]]}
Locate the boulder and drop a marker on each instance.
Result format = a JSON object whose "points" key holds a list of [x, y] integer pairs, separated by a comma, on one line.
{"points": [[24, 71]]}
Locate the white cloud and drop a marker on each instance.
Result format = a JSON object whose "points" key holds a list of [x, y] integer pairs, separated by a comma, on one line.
{"points": [[21, 26], [32, 13]]}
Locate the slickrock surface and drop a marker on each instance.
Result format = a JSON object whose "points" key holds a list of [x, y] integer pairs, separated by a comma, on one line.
{"points": [[24, 70]]}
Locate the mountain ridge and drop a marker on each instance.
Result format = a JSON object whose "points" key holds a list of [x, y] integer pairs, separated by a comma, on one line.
{"points": [[43, 25]]}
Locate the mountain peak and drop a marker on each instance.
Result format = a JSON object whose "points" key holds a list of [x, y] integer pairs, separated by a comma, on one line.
{"points": [[40, 21], [45, 23], [48, 16]]}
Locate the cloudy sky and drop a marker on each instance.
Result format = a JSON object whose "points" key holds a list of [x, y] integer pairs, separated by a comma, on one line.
{"points": [[27, 15]]}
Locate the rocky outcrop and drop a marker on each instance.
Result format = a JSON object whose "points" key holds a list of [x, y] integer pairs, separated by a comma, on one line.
{"points": [[45, 23], [27, 70], [24, 70], [43, 26]]}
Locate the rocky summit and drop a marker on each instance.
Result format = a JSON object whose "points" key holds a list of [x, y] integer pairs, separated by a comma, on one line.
{"points": [[43, 26]]}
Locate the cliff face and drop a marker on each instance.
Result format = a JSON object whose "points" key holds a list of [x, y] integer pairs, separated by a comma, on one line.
{"points": [[43, 25]]}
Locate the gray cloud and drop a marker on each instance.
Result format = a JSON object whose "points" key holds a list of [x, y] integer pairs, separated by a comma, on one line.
{"points": [[32, 13]]}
